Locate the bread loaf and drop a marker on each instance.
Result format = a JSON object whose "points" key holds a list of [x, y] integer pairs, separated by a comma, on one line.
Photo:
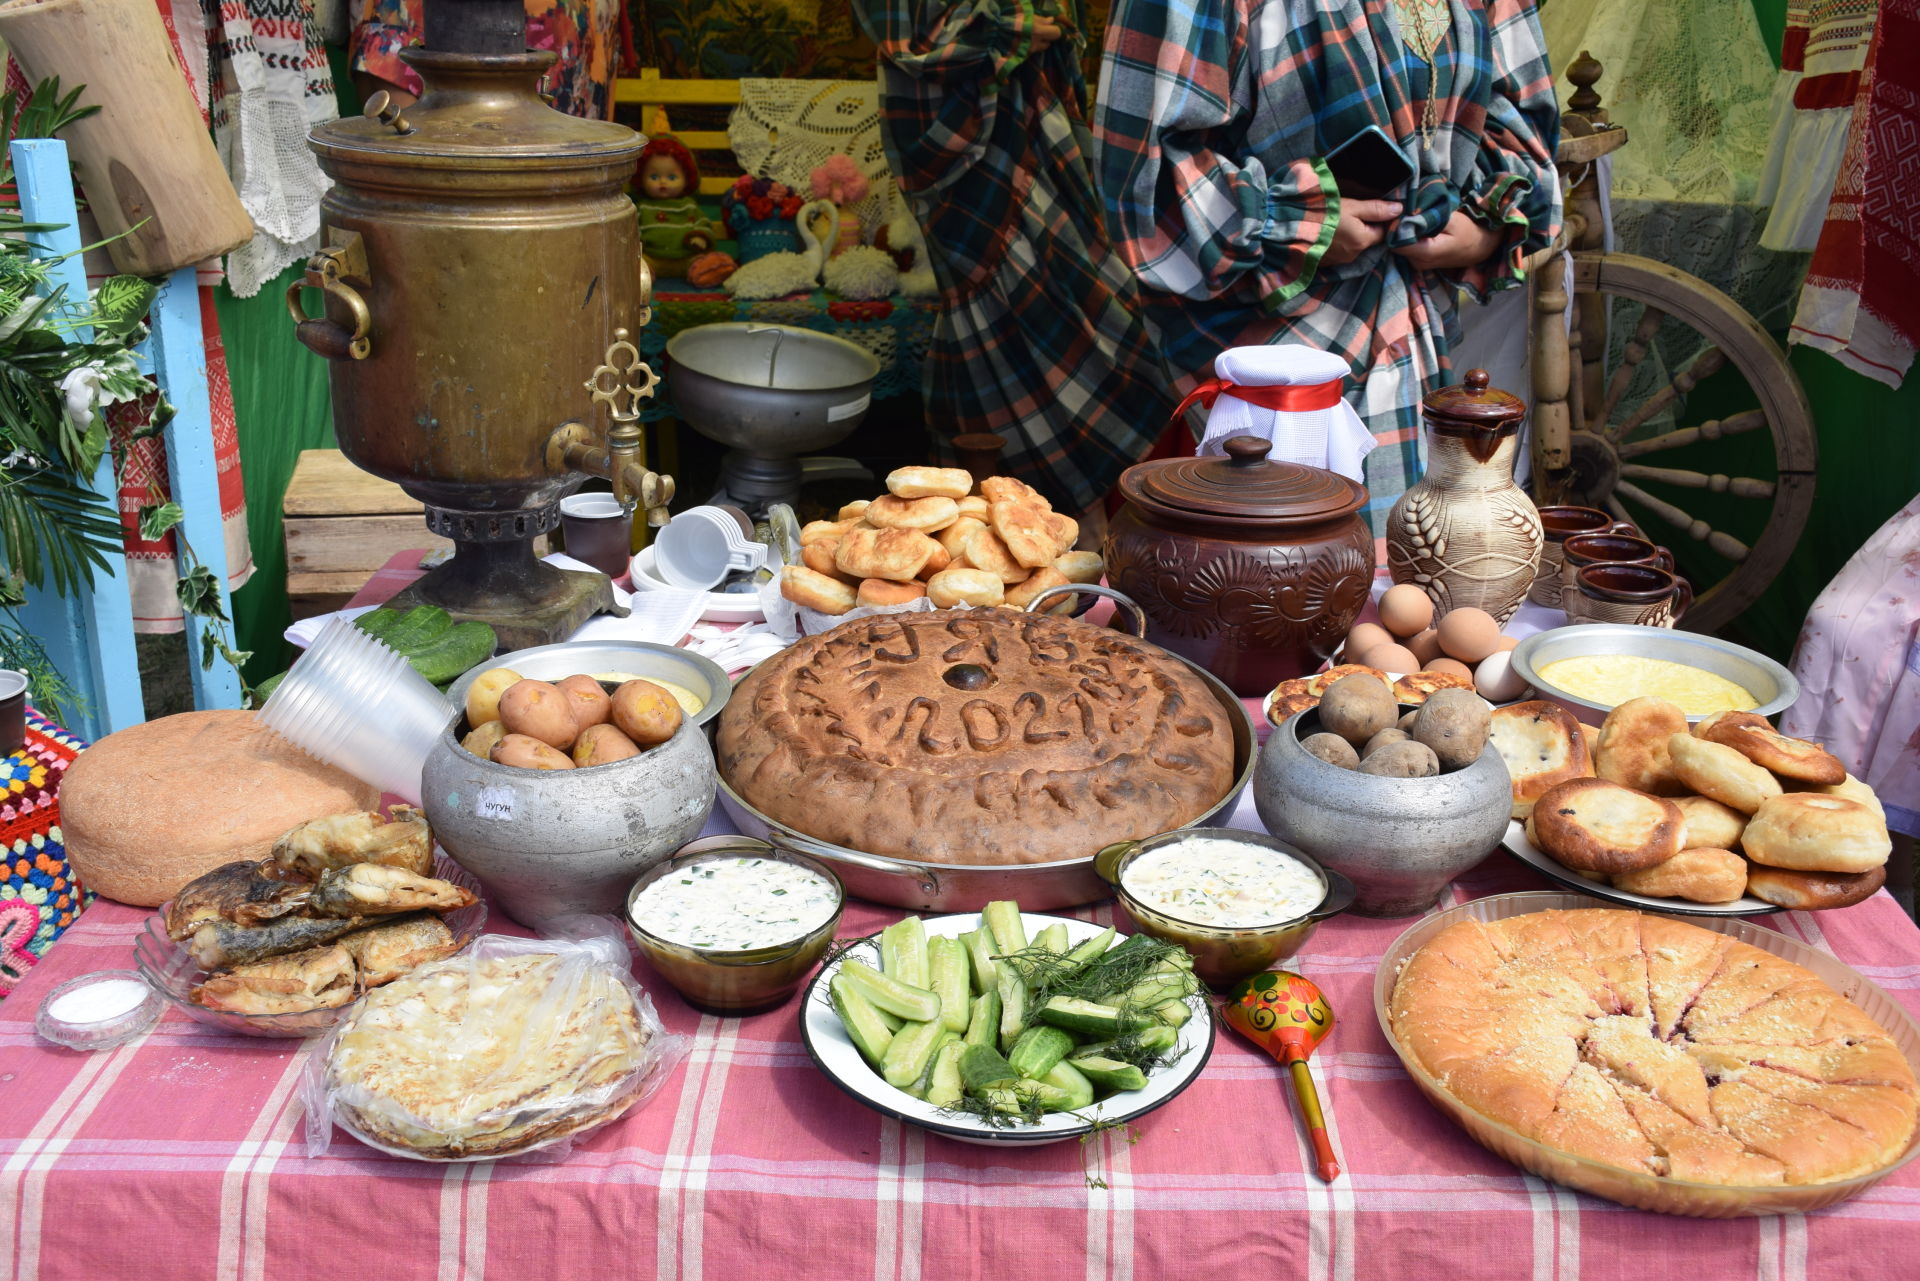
{"points": [[150, 808]]}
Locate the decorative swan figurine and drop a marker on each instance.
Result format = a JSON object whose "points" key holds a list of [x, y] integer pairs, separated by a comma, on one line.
{"points": [[776, 275]]}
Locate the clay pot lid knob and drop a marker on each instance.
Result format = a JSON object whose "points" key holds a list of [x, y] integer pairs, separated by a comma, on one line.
{"points": [[1247, 451]]}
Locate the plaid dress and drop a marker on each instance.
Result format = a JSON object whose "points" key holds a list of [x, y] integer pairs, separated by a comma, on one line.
{"points": [[1211, 122], [1039, 337]]}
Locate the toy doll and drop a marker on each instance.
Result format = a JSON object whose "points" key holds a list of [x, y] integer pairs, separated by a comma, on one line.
{"points": [[673, 231]]}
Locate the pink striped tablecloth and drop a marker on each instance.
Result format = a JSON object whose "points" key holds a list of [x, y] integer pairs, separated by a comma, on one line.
{"points": [[182, 1155]]}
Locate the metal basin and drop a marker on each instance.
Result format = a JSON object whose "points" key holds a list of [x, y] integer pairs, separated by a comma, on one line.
{"points": [[775, 390], [947, 887], [1773, 685]]}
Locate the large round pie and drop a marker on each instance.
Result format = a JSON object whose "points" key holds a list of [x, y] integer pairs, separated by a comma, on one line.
{"points": [[1656, 1046], [976, 736]]}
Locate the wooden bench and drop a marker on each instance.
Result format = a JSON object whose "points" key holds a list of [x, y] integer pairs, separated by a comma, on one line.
{"points": [[655, 95]]}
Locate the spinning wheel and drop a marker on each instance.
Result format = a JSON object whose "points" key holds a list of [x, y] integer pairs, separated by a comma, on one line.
{"points": [[1665, 404]]}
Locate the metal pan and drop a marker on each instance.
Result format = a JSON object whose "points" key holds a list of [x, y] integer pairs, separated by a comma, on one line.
{"points": [[949, 887]]}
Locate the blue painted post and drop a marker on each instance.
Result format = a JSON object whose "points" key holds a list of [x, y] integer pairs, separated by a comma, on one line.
{"points": [[89, 637], [178, 352]]}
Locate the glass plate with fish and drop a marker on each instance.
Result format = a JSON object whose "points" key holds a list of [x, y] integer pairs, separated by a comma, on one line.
{"points": [[327, 971]]}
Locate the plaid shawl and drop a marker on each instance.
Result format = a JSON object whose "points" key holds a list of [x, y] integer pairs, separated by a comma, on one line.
{"points": [[1211, 124], [1039, 338]]}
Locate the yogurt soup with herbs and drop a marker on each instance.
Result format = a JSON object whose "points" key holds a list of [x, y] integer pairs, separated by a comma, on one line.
{"points": [[1211, 880], [734, 904]]}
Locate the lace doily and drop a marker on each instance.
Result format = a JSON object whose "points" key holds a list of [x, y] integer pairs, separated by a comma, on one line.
{"points": [[785, 129]]}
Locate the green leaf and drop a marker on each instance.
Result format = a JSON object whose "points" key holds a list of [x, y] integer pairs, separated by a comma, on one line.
{"points": [[199, 593], [156, 520]]}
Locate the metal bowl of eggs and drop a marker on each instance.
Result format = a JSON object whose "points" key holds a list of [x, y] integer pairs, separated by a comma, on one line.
{"points": [[1591, 668]]}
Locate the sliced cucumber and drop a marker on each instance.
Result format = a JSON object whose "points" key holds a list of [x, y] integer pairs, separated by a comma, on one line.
{"points": [[983, 1028], [914, 1004], [1109, 1074], [1013, 1006], [1086, 954], [1037, 1050], [947, 1037], [944, 1087], [1089, 1019], [947, 977], [1071, 1082], [979, 945], [903, 952], [1002, 918], [1053, 939], [864, 1023], [909, 1053], [1174, 1013], [984, 1068]]}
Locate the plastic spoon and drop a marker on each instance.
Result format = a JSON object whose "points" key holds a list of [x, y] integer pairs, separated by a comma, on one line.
{"points": [[1285, 1015]]}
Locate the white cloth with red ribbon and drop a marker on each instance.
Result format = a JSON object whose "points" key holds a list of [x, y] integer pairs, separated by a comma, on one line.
{"points": [[1290, 395]]}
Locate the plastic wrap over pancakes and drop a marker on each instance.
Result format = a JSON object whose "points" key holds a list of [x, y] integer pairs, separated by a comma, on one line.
{"points": [[976, 736]]}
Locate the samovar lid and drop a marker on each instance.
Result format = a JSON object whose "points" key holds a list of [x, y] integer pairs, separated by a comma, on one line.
{"points": [[478, 110]]}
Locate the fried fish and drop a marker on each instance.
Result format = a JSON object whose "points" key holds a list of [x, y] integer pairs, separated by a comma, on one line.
{"points": [[242, 893], [319, 978], [401, 838], [373, 889], [386, 951], [219, 945]]}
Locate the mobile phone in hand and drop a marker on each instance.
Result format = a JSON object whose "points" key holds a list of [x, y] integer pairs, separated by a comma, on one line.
{"points": [[1369, 165]]}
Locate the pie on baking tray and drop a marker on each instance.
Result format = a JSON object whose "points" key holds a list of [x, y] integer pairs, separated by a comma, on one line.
{"points": [[1657, 1047]]}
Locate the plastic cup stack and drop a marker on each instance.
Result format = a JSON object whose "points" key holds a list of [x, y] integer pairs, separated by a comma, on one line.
{"points": [[698, 548], [361, 707]]}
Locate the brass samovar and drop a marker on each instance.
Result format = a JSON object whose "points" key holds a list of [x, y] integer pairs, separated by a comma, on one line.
{"points": [[482, 276]]}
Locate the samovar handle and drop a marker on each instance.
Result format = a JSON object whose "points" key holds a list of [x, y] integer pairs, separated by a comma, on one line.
{"points": [[327, 271]]}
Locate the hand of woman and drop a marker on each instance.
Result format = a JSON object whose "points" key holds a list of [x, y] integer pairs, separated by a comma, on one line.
{"points": [[1463, 242], [1363, 224]]}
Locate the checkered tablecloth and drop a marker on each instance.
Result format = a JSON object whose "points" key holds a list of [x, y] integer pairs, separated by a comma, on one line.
{"points": [[181, 1155]]}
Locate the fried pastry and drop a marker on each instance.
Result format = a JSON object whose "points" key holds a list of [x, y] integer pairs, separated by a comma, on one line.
{"points": [[1542, 746], [1704, 875], [1594, 826], [1024, 529], [1632, 748], [1806, 832], [923, 514], [1755, 738], [883, 553], [813, 590], [985, 550], [952, 587], [929, 482], [1813, 891], [1415, 688], [883, 592], [1711, 823], [1718, 771]]}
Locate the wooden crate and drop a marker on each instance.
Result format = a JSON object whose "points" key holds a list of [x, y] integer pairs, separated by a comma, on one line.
{"points": [[342, 524]]}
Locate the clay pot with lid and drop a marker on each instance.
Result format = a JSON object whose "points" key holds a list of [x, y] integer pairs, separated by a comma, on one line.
{"points": [[1467, 534], [1254, 569]]}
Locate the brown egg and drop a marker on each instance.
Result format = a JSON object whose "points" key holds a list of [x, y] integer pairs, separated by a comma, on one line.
{"points": [[1406, 610], [538, 710], [589, 703], [1469, 634], [1366, 636], [1453, 665], [1425, 646], [1395, 659], [1507, 642]]}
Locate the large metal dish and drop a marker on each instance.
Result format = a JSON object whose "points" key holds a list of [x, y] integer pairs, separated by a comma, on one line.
{"points": [[945, 887], [769, 389], [1759, 675], [637, 658]]}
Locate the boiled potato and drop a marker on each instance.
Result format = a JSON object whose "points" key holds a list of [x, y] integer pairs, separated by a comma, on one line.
{"points": [[646, 713], [601, 745], [587, 700], [1332, 749], [1392, 734], [480, 741], [1455, 724], [1358, 707], [1402, 760], [538, 710], [522, 752], [483, 696], [1406, 722]]}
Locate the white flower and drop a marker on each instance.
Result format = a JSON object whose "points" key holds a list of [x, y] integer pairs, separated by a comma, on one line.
{"points": [[81, 388]]}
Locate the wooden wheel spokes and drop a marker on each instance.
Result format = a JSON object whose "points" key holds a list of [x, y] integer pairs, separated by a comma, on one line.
{"points": [[1714, 429], [1698, 530], [1709, 361], [1717, 482], [1636, 351]]}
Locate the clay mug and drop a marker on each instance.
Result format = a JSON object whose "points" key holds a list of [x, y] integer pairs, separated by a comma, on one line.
{"points": [[1560, 524], [1627, 593], [1581, 550]]}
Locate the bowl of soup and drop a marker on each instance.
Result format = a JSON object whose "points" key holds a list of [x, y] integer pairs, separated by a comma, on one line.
{"points": [[1592, 668], [733, 923], [1239, 901]]}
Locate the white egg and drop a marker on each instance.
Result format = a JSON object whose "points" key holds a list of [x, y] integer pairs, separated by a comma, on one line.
{"points": [[1495, 678]]}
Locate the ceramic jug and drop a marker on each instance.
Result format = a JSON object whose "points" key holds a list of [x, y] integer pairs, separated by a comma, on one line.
{"points": [[1467, 534]]}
